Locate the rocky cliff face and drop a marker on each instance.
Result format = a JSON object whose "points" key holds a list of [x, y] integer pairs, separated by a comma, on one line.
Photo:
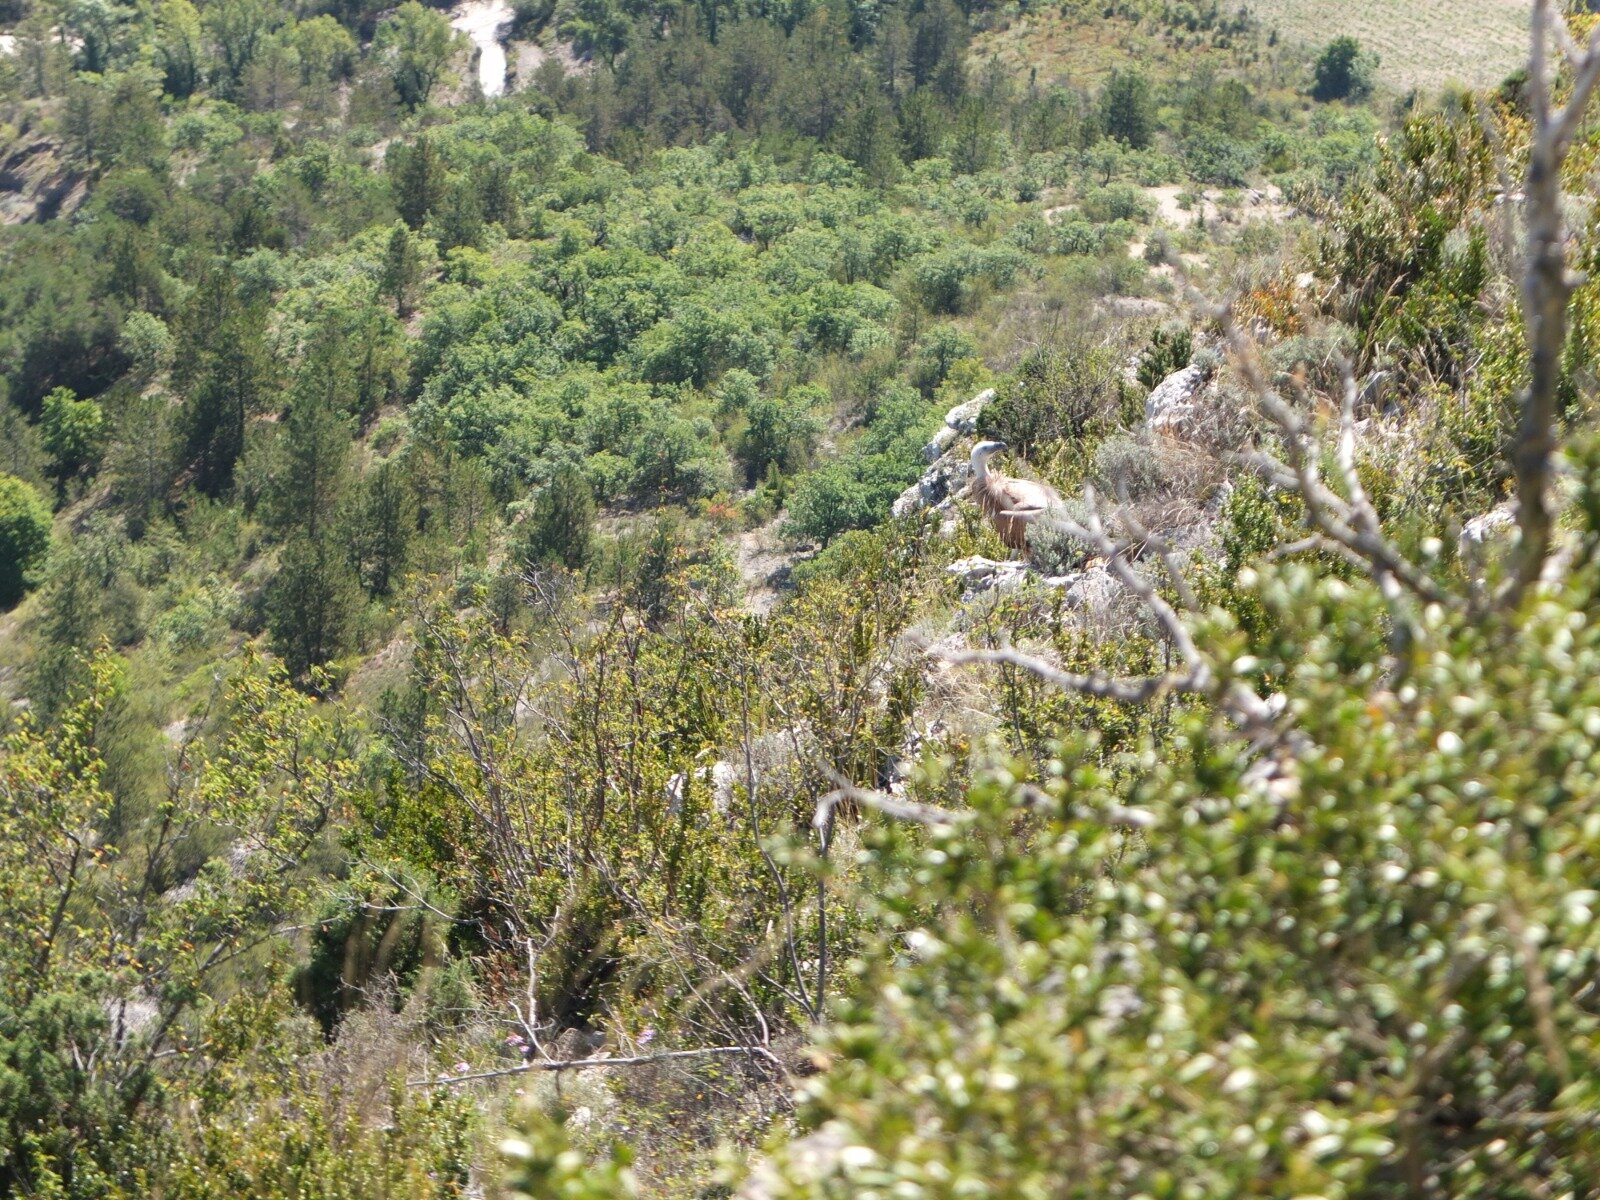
{"points": [[37, 183]]}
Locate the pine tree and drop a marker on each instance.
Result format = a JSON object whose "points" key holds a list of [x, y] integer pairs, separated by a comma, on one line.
{"points": [[312, 469], [226, 373], [402, 271], [383, 520], [311, 604], [560, 527], [416, 177]]}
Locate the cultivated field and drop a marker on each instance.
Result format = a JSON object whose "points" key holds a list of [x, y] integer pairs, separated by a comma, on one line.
{"points": [[1424, 43]]}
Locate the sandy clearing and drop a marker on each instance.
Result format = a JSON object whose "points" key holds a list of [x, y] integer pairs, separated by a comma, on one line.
{"points": [[482, 22]]}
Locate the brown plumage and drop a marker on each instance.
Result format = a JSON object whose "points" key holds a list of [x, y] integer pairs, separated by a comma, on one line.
{"points": [[1011, 505]]}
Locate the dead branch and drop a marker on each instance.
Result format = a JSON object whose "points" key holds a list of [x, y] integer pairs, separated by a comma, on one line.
{"points": [[1547, 284], [1125, 690], [582, 1064]]}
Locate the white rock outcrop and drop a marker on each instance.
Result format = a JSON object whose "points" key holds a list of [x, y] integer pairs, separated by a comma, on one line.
{"points": [[1173, 401], [721, 776], [1485, 535], [948, 472], [963, 418], [940, 445]]}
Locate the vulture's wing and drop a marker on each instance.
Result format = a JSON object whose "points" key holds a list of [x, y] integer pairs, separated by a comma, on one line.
{"points": [[1025, 499]]}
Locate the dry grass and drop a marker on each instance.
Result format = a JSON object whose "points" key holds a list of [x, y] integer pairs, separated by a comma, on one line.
{"points": [[1081, 47], [1424, 44]]}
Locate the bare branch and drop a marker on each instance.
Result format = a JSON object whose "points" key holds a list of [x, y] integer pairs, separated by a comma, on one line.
{"points": [[1547, 286], [1126, 690], [901, 810], [583, 1064]]}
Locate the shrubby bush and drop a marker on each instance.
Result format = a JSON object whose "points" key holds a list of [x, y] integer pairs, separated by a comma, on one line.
{"points": [[24, 537], [1058, 393]]}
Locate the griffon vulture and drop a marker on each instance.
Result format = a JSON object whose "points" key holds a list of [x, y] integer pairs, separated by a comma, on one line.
{"points": [[1010, 504]]}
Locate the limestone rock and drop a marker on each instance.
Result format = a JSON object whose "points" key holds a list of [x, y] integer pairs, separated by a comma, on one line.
{"points": [[963, 418], [939, 483], [37, 183], [979, 574], [720, 775], [1485, 533], [1173, 400], [942, 441]]}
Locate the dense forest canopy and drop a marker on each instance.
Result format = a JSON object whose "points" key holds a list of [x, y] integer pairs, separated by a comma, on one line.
{"points": [[507, 694]]}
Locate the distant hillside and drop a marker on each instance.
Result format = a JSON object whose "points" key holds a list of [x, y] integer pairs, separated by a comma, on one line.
{"points": [[1424, 46]]}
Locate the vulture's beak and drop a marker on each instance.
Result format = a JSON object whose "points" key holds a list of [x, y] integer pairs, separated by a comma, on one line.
{"points": [[1000, 448]]}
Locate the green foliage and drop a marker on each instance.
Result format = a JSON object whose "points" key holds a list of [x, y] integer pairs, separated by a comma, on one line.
{"points": [[100, 957], [1263, 951], [344, 342], [559, 527], [1127, 109], [312, 603], [1343, 71], [541, 1162], [1169, 350], [779, 432], [226, 373], [417, 43], [24, 537], [1060, 393]]}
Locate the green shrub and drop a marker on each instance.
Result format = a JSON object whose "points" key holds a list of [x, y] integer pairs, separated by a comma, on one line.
{"points": [[1169, 350], [1343, 71], [24, 538], [1058, 393], [559, 527]]}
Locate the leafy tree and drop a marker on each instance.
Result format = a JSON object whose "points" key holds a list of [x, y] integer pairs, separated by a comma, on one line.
{"points": [[239, 28], [20, 452], [73, 434], [326, 50], [1127, 109], [598, 27], [98, 936], [1343, 71], [24, 537], [779, 432], [180, 47], [417, 43], [147, 342]]}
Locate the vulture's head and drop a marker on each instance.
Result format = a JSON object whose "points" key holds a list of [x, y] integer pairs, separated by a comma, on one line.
{"points": [[983, 452]]}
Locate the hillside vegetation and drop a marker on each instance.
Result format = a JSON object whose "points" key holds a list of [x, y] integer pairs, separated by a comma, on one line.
{"points": [[508, 693], [1474, 44]]}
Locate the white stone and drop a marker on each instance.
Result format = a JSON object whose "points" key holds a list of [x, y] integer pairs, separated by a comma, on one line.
{"points": [[940, 481], [1173, 400], [973, 569], [721, 776], [1477, 535], [942, 441], [963, 418]]}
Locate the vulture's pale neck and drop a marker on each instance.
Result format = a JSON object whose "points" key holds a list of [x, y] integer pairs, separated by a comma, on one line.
{"points": [[980, 470]]}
